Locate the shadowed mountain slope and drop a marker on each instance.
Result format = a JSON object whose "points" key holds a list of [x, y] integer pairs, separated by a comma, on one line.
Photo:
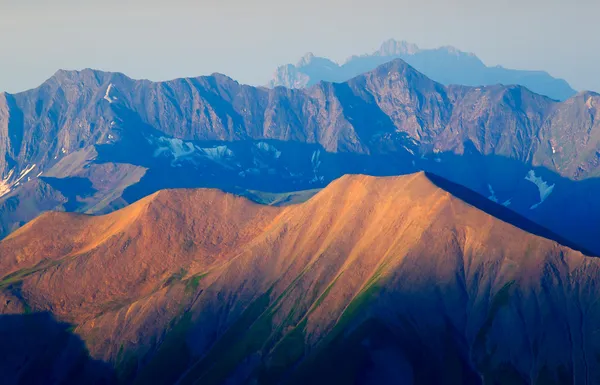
{"points": [[396, 278], [36, 349]]}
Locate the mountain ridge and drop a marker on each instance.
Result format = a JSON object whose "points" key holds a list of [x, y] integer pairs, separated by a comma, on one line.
{"points": [[112, 143], [269, 301], [447, 65]]}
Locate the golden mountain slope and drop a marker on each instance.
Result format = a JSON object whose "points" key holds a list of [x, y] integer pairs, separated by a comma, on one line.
{"points": [[202, 287]]}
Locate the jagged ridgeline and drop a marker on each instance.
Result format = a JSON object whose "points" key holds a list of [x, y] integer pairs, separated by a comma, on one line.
{"points": [[446, 65], [93, 142]]}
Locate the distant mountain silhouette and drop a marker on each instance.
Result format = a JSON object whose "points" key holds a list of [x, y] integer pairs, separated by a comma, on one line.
{"points": [[446, 65]]}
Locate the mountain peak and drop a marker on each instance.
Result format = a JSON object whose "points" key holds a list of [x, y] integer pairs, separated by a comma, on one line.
{"points": [[306, 59], [393, 47], [222, 77], [88, 77], [370, 180], [396, 66], [73, 74], [587, 94]]}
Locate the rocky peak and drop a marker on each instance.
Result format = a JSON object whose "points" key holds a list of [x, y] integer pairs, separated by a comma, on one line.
{"points": [[222, 78], [87, 78], [306, 59], [398, 69], [393, 47]]}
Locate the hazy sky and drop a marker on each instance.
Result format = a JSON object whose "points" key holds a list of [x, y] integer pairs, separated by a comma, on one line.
{"points": [[248, 39]]}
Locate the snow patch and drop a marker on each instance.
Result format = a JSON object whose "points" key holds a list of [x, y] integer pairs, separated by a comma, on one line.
{"points": [[107, 96], [317, 179], [543, 187], [173, 147], [6, 184], [315, 160], [178, 149], [589, 103], [26, 171], [492, 196], [217, 153], [266, 147]]}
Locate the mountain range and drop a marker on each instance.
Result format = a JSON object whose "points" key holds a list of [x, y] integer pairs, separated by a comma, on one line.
{"points": [[397, 280], [446, 65], [91, 141]]}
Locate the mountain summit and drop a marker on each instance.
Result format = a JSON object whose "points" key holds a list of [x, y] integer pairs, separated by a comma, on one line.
{"points": [[447, 65], [393, 47]]}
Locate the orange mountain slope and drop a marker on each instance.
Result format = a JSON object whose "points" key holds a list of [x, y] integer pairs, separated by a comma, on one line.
{"points": [[199, 286]]}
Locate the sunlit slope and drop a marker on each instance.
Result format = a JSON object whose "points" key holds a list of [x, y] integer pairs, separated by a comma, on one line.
{"points": [[199, 286]]}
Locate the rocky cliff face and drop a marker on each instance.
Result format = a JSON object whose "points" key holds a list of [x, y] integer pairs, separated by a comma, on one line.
{"points": [[446, 65], [410, 280]]}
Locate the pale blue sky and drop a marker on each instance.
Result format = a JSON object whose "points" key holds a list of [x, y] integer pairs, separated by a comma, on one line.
{"points": [[247, 39]]}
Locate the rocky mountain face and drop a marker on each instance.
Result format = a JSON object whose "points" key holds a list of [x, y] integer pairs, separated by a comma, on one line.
{"points": [[93, 142], [446, 65], [399, 280]]}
